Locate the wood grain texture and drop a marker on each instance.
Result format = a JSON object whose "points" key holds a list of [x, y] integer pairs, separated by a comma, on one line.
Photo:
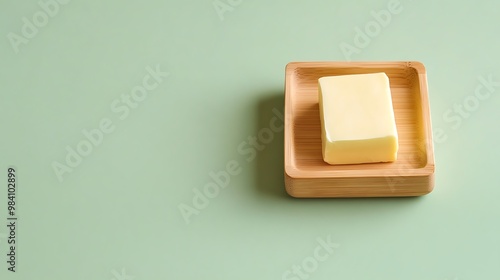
{"points": [[307, 175]]}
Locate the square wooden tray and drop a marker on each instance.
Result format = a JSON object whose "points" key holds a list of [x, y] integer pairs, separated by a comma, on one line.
{"points": [[307, 175]]}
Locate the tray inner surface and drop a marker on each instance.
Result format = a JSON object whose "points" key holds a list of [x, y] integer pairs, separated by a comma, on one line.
{"points": [[306, 129]]}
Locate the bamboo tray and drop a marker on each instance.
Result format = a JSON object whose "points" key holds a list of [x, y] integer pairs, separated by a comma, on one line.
{"points": [[307, 175]]}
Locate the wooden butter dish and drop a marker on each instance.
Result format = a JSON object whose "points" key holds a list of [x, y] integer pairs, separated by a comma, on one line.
{"points": [[307, 175]]}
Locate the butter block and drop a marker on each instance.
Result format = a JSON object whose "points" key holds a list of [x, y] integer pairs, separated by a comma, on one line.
{"points": [[357, 119]]}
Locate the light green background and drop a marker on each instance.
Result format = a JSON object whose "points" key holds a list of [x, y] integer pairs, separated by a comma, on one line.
{"points": [[118, 210]]}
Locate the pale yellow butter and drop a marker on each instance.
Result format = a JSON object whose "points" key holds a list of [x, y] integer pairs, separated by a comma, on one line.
{"points": [[357, 119]]}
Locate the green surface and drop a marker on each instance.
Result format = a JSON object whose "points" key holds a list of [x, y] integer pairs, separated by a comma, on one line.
{"points": [[116, 215]]}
